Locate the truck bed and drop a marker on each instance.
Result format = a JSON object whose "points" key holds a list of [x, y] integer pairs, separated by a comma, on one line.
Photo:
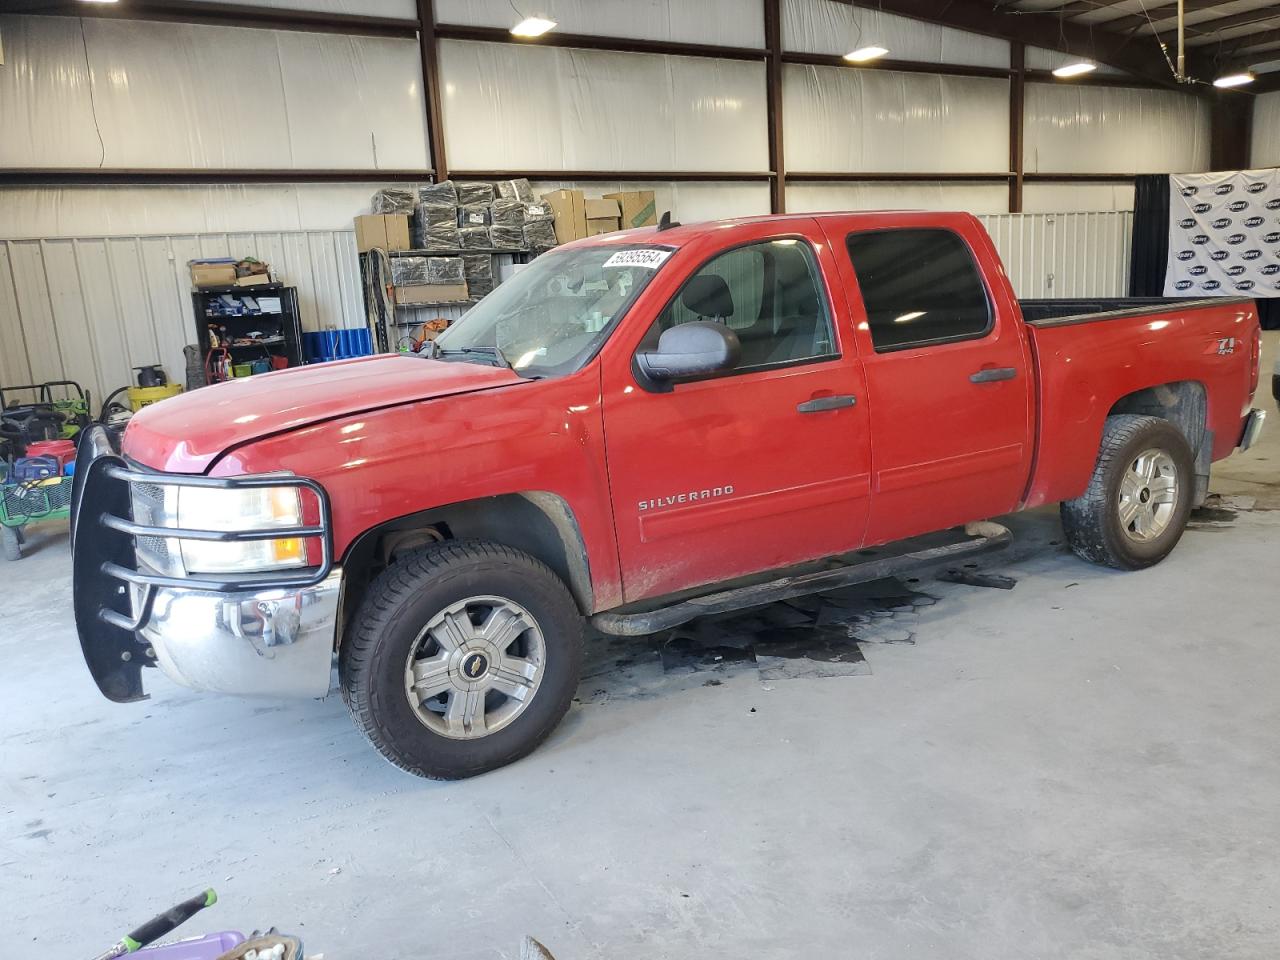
{"points": [[1059, 313]]}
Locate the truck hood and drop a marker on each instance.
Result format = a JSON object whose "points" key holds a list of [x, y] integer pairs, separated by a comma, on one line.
{"points": [[186, 433]]}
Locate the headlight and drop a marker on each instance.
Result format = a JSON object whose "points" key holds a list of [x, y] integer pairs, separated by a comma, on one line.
{"points": [[238, 509]]}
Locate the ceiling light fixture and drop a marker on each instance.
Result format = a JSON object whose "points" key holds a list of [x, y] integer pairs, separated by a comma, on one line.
{"points": [[1234, 80], [1075, 69], [532, 27], [97, 1], [865, 54]]}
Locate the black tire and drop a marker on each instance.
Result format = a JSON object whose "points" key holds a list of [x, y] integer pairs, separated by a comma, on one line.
{"points": [[1092, 521], [11, 543], [401, 601]]}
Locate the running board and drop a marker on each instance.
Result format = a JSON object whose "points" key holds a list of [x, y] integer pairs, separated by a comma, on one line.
{"points": [[664, 618]]}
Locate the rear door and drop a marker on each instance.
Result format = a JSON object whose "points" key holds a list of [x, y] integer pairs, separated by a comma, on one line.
{"points": [[948, 372], [757, 468]]}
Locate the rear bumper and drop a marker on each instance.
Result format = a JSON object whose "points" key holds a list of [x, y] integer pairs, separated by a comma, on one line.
{"points": [[1252, 428], [254, 634]]}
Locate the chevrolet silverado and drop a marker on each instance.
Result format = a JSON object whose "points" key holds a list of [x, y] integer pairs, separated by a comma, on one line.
{"points": [[635, 430]]}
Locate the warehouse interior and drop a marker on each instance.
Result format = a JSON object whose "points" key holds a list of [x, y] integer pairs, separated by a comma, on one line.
{"points": [[264, 239]]}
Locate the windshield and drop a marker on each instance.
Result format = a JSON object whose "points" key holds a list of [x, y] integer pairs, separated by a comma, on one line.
{"points": [[552, 315]]}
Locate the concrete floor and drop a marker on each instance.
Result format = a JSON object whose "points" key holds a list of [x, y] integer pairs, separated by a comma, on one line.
{"points": [[1082, 767]]}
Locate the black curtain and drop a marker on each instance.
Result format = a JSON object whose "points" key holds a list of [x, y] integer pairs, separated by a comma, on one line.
{"points": [[1150, 235]]}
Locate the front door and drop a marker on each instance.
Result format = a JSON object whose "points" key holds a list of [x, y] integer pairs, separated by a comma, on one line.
{"points": [[758, 468], [948, 377]]}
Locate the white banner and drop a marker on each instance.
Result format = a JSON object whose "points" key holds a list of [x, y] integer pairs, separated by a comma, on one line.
{"points": [[1224, 234]]}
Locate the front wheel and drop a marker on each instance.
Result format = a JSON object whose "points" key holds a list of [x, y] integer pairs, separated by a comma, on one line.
{"points": [[462, 657], [11, 542], [1139, 497]]}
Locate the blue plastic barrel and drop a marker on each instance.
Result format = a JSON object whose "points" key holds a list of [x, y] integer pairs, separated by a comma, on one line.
{"points": [[324, 345]]}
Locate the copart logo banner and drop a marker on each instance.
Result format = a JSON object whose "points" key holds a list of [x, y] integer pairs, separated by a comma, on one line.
{"points": [[1224, 234]]}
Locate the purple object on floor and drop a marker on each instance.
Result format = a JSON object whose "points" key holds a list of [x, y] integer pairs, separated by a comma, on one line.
{"points": [[208, 947]]}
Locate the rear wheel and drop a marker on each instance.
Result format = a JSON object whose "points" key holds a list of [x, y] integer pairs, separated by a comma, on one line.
{"points": [[1139, 497], [11, 543], [462, 658]]}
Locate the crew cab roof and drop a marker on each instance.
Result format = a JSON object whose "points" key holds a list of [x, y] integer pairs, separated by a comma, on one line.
{"points": [[682, 234]]}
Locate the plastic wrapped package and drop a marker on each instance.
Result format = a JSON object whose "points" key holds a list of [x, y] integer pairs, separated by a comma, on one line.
{"points": [[442, 194], [477, 266], [444, 270], [407, 271], [508, 238], [469, 193], [540, 235], [473, 238], [394, 200], [435, 215], [507, 213], [517, 189], [479, 287], [442, 236], [539, 212], [473, 215]]}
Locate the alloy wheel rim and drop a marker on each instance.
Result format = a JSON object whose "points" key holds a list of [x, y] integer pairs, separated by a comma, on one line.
{"points": [[475, 667], [1148, 496]]}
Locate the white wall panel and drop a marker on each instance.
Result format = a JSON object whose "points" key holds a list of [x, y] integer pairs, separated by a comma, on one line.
{"points": [[689, 202], [1038, 58], [171, 95], [91, 309], [512, 107], [33, 212], [1076, 197], [873, 120], [1083, 129], [825, 26], [1265, 149], [369, 8], [970, 197], [1064, 254], [731, 23]]}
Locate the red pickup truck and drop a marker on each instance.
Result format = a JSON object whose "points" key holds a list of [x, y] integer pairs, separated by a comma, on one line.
{"points": [[634, 430]]}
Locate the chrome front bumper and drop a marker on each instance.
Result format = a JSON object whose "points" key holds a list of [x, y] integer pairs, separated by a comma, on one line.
{"points": [[276, 643]]}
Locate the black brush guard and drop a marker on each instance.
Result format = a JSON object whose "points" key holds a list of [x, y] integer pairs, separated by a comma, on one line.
{"points": [[104, 559]]}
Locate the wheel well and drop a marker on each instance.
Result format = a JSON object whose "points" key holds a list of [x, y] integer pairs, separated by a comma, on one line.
{"points": [[539, 523], [1182, 403], [1185, 404]]}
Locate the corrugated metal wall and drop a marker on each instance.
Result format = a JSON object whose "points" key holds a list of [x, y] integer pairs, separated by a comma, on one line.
{"points": [[90, 309], [1064, 254]]}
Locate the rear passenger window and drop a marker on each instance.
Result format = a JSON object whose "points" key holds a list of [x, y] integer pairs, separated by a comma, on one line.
{"points": [[919, 287]]}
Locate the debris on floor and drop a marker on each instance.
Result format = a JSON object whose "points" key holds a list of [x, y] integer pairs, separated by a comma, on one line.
{"points": [[977, 578], [1218, 511], [810, 636]]}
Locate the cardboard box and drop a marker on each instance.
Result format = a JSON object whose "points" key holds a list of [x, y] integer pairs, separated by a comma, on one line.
{"points": [[432, 293], [384, 231], [603, 216], [213, 274], [638, 208], [256, 280], [570, 210]]}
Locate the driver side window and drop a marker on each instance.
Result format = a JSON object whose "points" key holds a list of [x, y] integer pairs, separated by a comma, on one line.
{"points": [[768, 293]]}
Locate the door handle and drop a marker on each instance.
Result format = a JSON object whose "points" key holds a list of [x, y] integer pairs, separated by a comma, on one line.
{"points": [[819, 404], [993, 375]]}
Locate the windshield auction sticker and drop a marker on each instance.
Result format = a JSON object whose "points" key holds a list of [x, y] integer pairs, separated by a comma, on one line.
{"points": [[649, 259]]}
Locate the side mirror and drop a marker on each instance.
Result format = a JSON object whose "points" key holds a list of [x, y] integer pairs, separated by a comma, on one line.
{"points": [[689, 350]]}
